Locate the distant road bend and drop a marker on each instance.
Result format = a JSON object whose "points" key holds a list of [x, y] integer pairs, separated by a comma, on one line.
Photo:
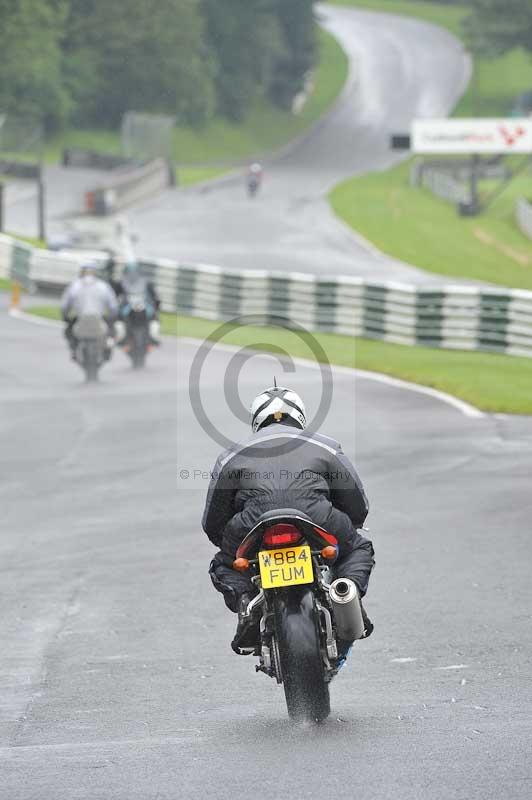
{"points": [[400, 69]]}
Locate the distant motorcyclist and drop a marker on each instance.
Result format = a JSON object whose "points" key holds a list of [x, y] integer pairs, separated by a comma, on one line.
{"points": [[254, 178], [313, 477], [88, 296], [135, 283]]}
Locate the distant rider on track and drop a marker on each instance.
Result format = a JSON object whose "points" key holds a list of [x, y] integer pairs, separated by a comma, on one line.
{"points": [[88, 296], [254, 178], [313, 477]]}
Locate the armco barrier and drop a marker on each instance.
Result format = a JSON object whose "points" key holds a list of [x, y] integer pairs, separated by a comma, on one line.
{"points": [[455, 317], [20, 169], [45, 269], [92, 159], [523, 213], [128, 185]]}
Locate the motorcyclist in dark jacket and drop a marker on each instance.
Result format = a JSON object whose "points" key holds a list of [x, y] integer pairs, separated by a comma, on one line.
{"points": [[135, 283], [283, 466]]}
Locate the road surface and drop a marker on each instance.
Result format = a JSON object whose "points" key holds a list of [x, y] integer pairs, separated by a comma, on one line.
{"points": [[116, 676]]}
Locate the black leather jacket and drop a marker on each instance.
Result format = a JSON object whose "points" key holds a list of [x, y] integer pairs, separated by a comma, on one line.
{"points": [[283, 467]]}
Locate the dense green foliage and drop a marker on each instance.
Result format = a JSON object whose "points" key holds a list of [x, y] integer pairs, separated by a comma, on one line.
{"points": [[142, 54], [224, 142], [497, 26], [88, 61], [31, 61]]}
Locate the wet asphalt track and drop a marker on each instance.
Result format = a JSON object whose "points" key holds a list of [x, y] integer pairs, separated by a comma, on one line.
{"points": [[116, 677]]}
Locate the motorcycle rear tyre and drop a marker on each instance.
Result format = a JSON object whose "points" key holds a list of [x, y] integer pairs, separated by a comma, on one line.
{"points": [[296, 629], [138, 347], [91, 361]]}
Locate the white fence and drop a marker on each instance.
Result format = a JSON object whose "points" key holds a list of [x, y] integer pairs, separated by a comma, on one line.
{"points": [[524, 217], [457, 317]]}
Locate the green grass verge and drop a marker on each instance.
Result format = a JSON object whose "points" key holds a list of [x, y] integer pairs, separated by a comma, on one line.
{"points": [[496, 82], [450, 17], [414, 226], [33, 240], [265, 129], [492, 382], [5, 285], [187, 176]]}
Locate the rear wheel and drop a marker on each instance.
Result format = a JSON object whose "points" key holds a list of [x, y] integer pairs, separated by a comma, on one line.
{"points": [[91, 360], [296, 628], [138, 347]]}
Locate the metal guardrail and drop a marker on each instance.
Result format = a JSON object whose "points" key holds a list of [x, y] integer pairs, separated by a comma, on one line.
{"points": [[523, 214], [450, 179], [440, 182], [455, 317], [128, 180], [128, 185]]}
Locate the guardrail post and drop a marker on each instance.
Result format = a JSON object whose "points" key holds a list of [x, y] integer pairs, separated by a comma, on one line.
{"points": [[42, 204], [1, 207]]}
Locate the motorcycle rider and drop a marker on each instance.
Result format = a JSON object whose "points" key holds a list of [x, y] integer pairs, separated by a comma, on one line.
{"points": [[254, 178], [313, 477], [134, 282], [88, 295]]}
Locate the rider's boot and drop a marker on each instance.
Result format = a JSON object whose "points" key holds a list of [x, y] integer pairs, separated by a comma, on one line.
{"points": [[155, 332], [246, 639], [121, 333]]}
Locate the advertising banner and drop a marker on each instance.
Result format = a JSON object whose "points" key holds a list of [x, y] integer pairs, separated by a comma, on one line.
{"points": [[472, 136]]}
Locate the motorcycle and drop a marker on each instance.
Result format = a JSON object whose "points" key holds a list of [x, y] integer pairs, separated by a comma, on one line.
{"points": [[91, 348], [253, 183], [303, 615], [138, 316]]}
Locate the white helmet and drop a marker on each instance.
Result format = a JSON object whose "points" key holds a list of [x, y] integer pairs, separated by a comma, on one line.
{"points": [[276, 404], [88, 268]]}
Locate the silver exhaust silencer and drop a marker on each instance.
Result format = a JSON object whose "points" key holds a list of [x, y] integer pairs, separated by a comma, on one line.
{"points": [[346, 609]]}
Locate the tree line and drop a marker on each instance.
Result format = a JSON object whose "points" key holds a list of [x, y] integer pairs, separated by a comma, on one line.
{"points": [[86, 62], [496, 26]]}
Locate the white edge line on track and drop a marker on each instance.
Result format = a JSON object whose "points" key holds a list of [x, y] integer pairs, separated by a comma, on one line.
{"points": [[460, 405]]}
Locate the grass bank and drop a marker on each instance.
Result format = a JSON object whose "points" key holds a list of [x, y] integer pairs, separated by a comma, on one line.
{"points": [[450, 17], [265, 129], [492, 382], [414, 226]]}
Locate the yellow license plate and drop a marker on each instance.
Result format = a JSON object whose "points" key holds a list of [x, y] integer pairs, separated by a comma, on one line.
{"points": [[287, 567]]}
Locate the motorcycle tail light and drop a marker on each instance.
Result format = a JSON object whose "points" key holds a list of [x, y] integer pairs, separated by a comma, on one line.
{"points": [[327, 536], [281, 534]]}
